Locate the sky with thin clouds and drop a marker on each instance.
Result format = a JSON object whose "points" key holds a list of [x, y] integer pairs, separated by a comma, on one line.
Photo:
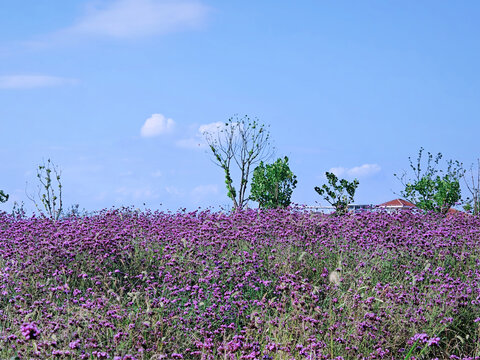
{"points": [[119, 93]]}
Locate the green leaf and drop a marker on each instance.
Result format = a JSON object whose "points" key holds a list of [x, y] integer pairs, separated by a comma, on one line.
{"points": [[273, 184], [338, 193]]}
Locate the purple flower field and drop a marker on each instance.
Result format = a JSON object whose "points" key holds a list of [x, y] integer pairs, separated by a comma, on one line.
{"points": [[264, 285]]}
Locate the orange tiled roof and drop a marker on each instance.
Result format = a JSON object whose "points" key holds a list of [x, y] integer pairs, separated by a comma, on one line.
{"points": [[397, 203]]}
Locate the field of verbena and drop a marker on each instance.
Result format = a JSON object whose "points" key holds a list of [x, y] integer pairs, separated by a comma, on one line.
{"points": [[252, 285]]}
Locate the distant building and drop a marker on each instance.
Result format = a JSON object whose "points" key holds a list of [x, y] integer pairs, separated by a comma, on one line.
{"points": [[453, 211], [397, 204], [389, 206], [351, 207], [360, 207]]}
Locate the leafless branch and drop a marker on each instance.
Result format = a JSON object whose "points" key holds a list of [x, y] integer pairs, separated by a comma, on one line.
{"points": [[246, 142]]}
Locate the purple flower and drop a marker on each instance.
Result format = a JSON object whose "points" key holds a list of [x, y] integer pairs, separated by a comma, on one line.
{"points": [[74, 344], [30, 331], [419, 337], [100, 354]]}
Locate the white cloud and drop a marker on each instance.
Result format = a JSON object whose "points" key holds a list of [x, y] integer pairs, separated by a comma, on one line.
{"points": [[364, 170], [157, 174], [33, 81], [139, 18], [357, 171], [157, 124], [205, 190], [339, 171], [136, 193], [198, 140], [211, 128], [173, 190], [202, 192]]}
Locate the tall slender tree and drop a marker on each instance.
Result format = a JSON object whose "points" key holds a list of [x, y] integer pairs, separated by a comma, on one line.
{"points": [[473, 186], [50, 196], [239, 143]]}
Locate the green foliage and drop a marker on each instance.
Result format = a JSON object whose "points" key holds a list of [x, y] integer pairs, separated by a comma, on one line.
{"points": [[433, 189], [225, 165], [468, 207], [3, 197], [339, 193], [50, 198], [434, 194], [273, 184]]}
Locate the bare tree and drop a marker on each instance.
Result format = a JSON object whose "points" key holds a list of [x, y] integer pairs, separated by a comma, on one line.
{"points": [[50, 199], [242, 142], [473, 186]]}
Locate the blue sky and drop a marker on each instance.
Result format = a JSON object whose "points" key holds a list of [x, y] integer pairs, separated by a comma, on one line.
{"points": [[356, 86]]}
